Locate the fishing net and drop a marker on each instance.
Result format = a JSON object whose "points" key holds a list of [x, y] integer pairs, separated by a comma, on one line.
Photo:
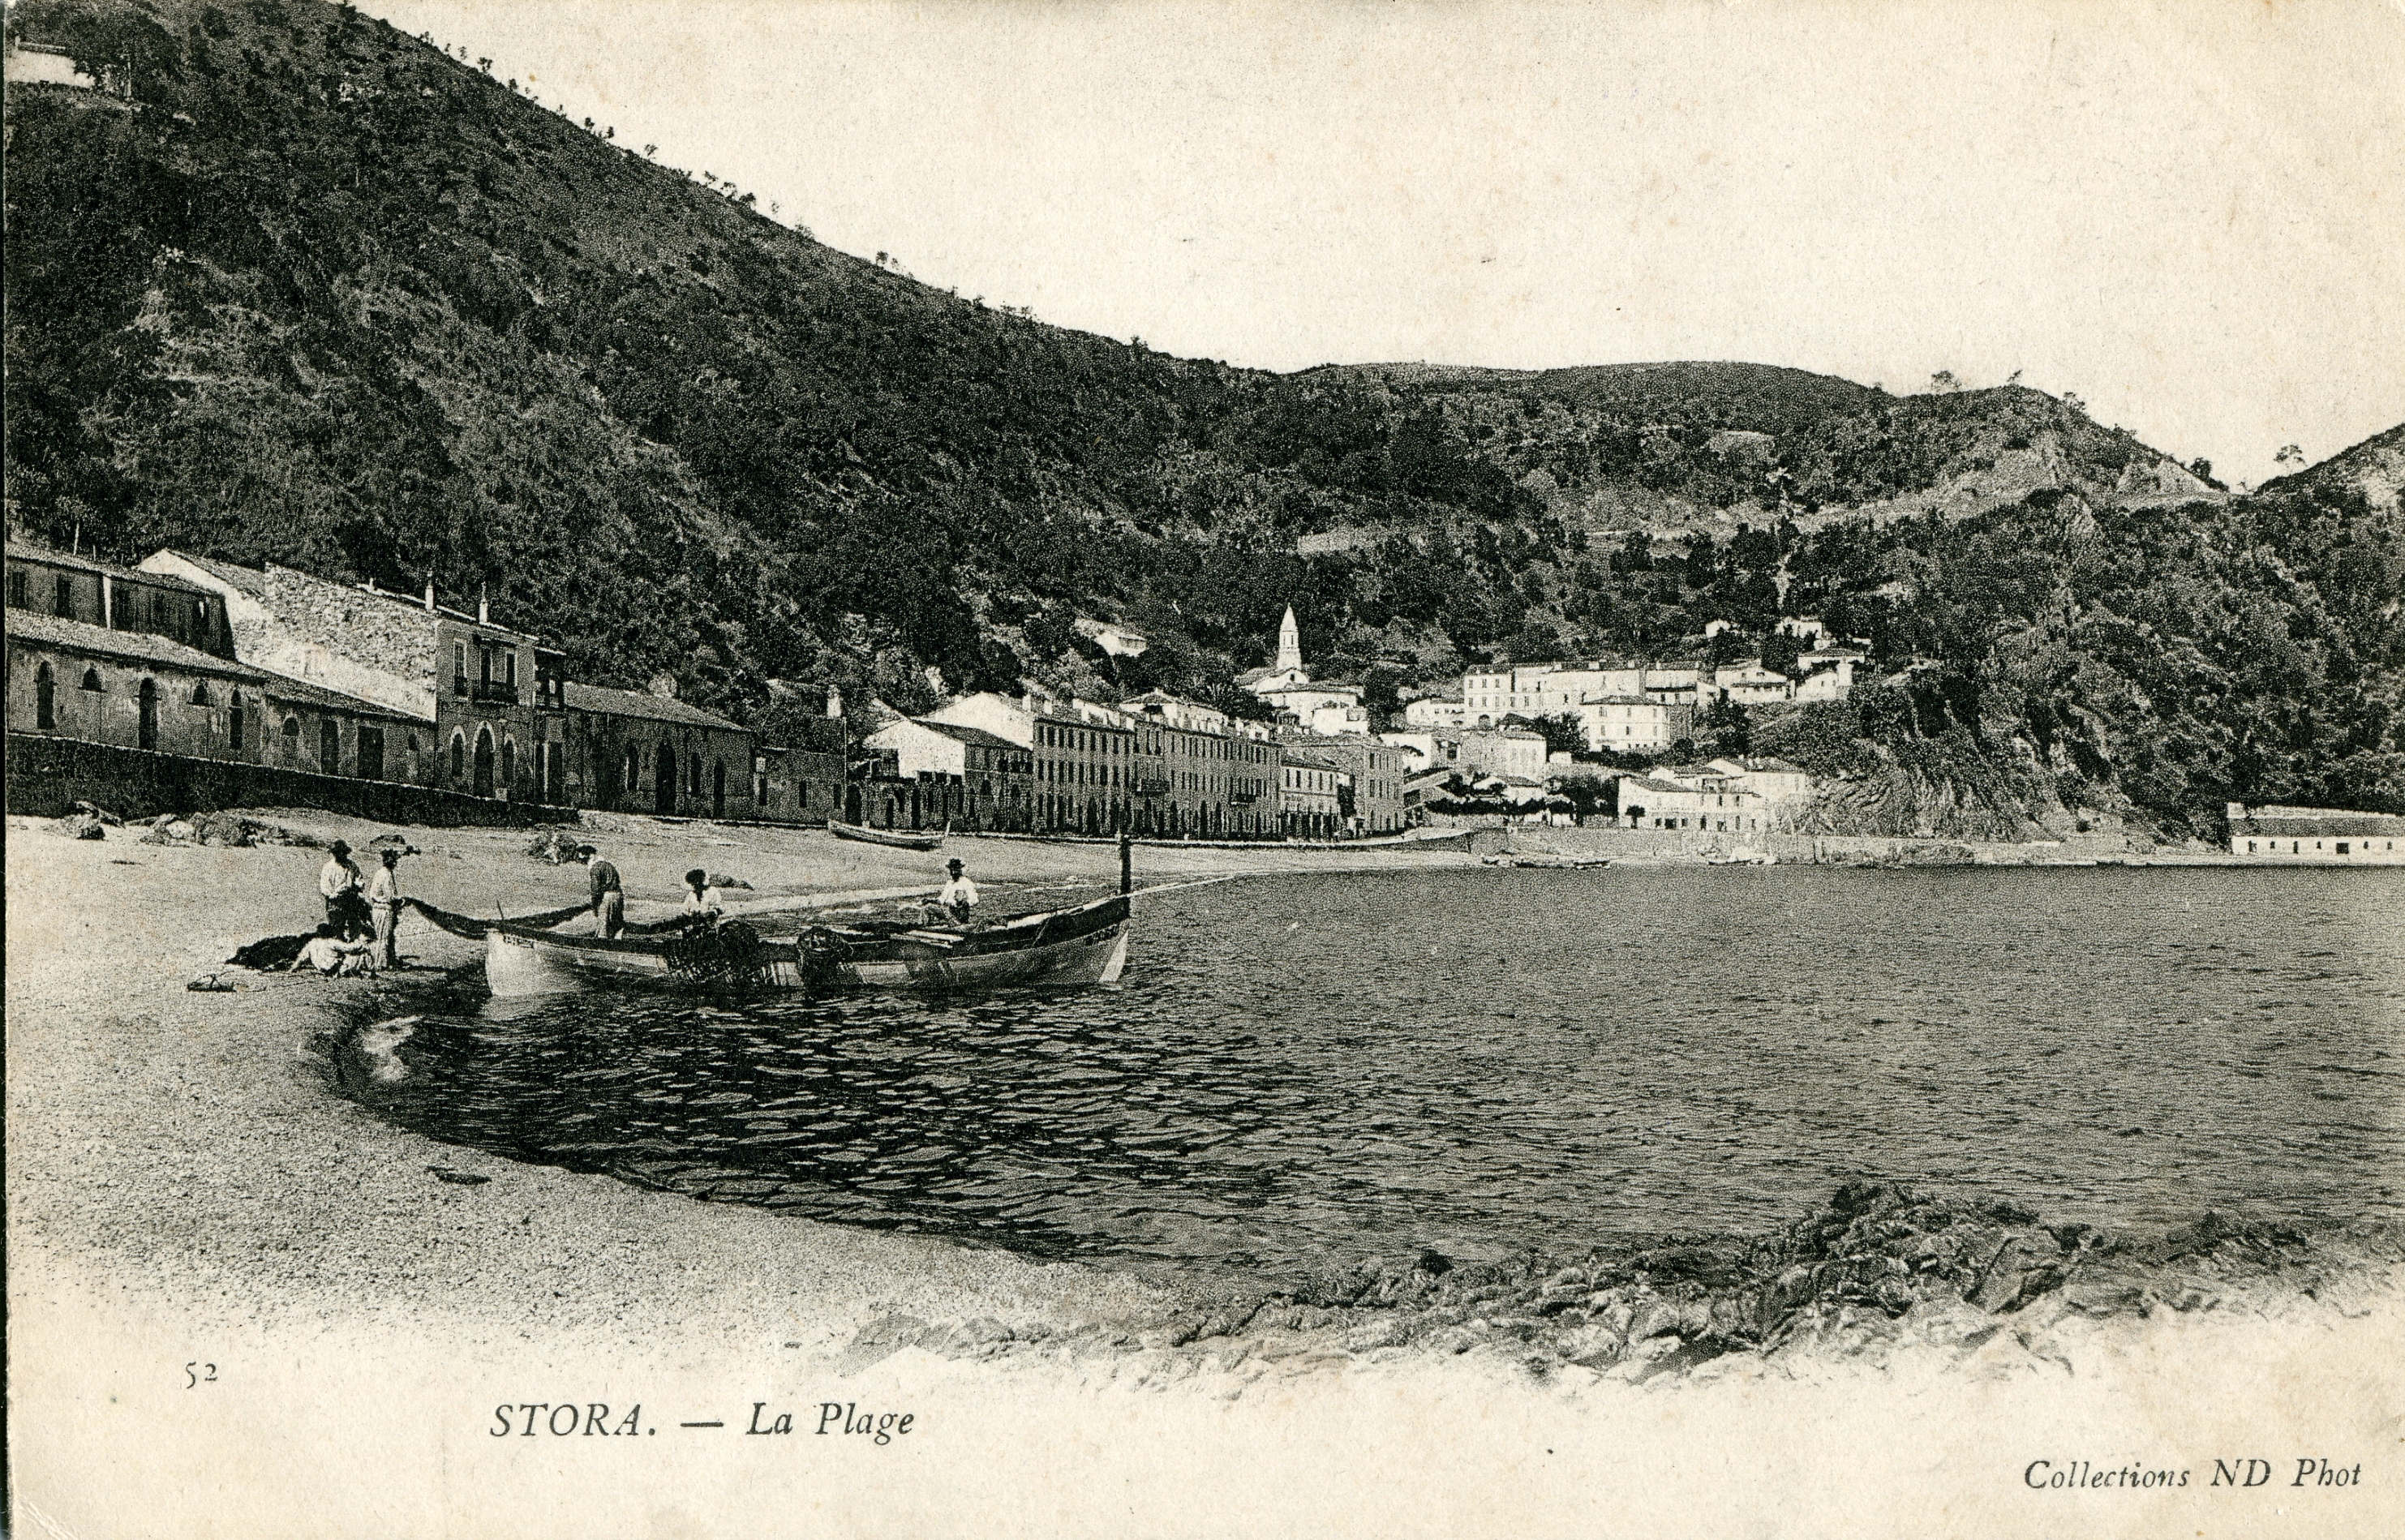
{"points": [[728, 953]]}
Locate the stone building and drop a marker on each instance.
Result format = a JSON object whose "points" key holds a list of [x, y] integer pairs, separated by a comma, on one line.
{"points": [[977, 780], [71, 679], [470, 684], [801, 780], [2317, 836], [143, 661], [649, 752], [1200, 771], [1371, 792], [1309, 806], [1634, 723], [117, 598]]}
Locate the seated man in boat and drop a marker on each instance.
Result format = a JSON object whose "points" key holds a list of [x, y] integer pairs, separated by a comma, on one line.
{"points": [[704, 903], [609, 895], [958, 900], [330, 954]]}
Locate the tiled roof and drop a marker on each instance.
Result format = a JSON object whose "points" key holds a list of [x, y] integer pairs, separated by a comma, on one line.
{"points": [[634, 703], [285, 687], [2294, 822], [249, 579], [254, 583], [976, 735], [1647, 783], [20, 550], [99, 641]]}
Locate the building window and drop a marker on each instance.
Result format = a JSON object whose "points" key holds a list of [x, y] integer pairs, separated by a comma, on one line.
{"points": [[291, 740], [459, 757], [509, 762], [330, 746], [459, 671], [234, 723], [510, 669], [91, 681], [200, 694], [63, 598], [46, 695], [17, 590]]}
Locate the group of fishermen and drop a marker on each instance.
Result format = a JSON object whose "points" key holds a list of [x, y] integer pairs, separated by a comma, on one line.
{"points": [[705, 900], [362, 927], [362, 932]]}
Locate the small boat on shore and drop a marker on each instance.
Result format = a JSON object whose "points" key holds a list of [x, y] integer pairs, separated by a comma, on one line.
{"points": [[1086, 944], [895, 838]]}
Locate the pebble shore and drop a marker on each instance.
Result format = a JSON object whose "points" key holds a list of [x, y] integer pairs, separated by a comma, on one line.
{"points": [[187, 1198]]}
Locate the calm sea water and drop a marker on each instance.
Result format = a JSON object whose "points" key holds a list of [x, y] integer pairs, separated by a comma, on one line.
{"points": [[1305, 1070]]}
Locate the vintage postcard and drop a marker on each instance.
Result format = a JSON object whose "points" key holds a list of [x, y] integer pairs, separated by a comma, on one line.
{"points": [[1321, 768]]}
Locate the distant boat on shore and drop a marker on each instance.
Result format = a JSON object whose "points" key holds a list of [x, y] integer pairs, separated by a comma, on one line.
{"points": [[887, 836]]}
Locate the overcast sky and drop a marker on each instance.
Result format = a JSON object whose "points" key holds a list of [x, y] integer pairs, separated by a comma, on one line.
{"points": [[2189, 214]]}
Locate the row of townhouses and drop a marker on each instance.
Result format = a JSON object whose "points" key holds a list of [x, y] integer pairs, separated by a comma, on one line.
{"points": [[191, 656], [1632, 705], [1154, 764]]}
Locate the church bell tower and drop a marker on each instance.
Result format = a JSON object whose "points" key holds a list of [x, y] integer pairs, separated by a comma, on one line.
{"points": [[1290, 652]]}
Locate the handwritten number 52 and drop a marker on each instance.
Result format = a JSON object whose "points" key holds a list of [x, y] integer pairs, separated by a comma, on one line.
{"points": [[197, 1373]]}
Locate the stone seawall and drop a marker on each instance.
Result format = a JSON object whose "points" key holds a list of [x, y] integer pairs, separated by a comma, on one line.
{"points": [[46, 776]]}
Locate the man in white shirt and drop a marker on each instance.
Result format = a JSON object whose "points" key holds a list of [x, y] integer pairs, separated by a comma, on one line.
{"points": [[338, 882], [384, 906], [958, 897]]}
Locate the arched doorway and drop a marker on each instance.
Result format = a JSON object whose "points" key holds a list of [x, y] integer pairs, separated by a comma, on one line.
{"points": [[664, 779], [146, 730], [46, 698], [508, 768], [483, 785], [330, 746], [718, 788]]}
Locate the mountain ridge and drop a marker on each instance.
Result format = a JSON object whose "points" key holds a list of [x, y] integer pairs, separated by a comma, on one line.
{"points": [[321, 294]]}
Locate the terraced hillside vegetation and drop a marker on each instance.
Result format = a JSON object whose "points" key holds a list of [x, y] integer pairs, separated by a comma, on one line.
{"points": [[298, 288]]}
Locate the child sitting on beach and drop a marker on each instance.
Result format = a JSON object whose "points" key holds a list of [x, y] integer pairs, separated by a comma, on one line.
{"points": [[330, 954]]}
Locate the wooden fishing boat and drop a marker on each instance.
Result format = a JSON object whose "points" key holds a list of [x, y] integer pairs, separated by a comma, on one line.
{"points": [[1086, 943], [895, 837]]}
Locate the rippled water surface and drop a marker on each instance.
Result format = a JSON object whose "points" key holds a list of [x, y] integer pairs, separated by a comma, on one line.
{"points": [[1299, 1070]]}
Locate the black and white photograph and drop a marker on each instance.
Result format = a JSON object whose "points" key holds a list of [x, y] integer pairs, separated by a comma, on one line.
{"points": [[857, 768]]}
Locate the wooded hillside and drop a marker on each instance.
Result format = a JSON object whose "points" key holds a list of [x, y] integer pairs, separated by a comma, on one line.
{"points": [[317, 292]]}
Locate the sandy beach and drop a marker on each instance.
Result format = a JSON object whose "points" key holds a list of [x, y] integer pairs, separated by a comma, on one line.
{"points": [[187, 1193]]}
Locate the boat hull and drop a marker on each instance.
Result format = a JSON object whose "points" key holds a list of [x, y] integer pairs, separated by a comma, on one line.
{"points": [[1075, 946], [884, 836]]}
